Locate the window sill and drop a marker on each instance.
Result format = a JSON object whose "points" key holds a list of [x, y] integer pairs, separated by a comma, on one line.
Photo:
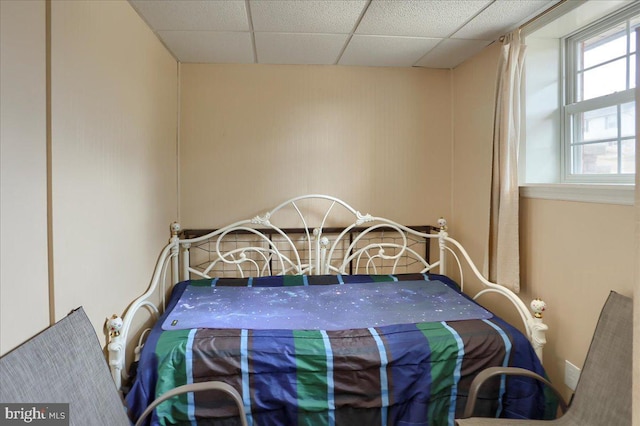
{"points": [[603, 194]]}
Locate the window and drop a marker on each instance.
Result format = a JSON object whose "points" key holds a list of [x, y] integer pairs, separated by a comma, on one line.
{"points": [[599, 100], [579, 123]]}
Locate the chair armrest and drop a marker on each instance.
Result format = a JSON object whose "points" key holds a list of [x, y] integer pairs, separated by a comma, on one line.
{"points": [[197, 387], [487, 373]]}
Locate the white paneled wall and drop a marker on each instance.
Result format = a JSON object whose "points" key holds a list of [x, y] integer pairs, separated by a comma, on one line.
{"points": [[24, 288], [112, 185], [114, 121]]}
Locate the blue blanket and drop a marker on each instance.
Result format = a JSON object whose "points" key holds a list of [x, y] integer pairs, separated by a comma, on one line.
{"points": [[414, 373], [329, 307]]}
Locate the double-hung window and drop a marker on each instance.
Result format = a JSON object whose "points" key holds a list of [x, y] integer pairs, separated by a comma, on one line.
{"points": [[579, 133], [599, 100]]}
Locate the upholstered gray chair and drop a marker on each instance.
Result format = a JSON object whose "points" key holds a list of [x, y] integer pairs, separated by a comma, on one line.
{"points": [[603, 393], [65, 364]]}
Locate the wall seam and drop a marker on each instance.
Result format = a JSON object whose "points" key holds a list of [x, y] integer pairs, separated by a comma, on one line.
{"points": [[178, 119], [49, 161], [453, 143]]}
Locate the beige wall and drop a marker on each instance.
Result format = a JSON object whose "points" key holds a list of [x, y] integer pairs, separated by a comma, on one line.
{"points": [[253, 136], [474, 89], [572, 254], [24, 287], [114, 124]]}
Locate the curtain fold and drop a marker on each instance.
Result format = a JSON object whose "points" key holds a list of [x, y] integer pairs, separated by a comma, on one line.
{"points": [[502, 264]]}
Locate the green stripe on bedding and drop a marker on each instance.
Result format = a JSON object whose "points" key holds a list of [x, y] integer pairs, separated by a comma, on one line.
{"points": [[293, 280], [202, 283], [311, 377], [382, 278], [444, 360], [171, 351]]}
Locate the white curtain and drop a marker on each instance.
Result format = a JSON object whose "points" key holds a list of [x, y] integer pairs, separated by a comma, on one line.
{"points": [[503, 262]]}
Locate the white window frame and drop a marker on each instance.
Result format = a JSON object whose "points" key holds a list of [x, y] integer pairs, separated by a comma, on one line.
{"points": [[541, 170], [570, 106]]}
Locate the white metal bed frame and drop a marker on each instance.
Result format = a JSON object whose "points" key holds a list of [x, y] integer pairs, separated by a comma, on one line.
{"points": [[325, 254]]}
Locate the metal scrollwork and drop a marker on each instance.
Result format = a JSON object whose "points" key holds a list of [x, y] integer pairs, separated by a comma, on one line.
{"points": [[363, 218], [262, 220]]}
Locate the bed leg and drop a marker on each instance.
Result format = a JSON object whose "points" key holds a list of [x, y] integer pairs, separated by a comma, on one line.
{"points": [[185, 261], [116, 359]]}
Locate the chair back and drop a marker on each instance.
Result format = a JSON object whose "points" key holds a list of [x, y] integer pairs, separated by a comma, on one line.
{"points": [[603, 393], [63, 364]]}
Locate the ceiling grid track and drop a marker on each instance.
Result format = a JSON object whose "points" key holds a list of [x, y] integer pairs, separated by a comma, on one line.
{"points": [[415, 64], [372, 33], [355, 27], [251, 31]]}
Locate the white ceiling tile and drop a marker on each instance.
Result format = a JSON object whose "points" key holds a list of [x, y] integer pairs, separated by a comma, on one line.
{"points": [[425, 18], [294, 48], [451, 53], [229, 15], [309, 16], [386, 51], [390, 32], [209, 46], [502, 17]]}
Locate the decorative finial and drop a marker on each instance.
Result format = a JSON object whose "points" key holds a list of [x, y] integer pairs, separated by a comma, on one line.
{"points": [[442, 223], [538, 307], [114, 325], [175, 229]]}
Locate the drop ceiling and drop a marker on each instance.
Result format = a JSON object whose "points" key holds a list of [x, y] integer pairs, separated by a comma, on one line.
{"points": [[399, 33]]}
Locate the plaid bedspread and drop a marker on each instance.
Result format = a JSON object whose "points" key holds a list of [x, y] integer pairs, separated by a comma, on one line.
{"points": [[406, 374]]}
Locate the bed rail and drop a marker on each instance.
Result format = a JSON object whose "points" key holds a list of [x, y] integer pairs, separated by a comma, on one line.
{"points": [[312, 235]]}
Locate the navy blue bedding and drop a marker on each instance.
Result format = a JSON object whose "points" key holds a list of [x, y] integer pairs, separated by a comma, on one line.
{"points": [[414, 373]]}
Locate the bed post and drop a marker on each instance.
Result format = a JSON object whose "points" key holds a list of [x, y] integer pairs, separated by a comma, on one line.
{"points": [[185, 261], [324, 243], [116, 358], [116, 345], [442, 234], [314, 258], [538, 328], [175, 269]]}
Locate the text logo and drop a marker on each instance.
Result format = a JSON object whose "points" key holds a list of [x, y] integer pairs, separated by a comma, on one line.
{"points": [[34, 414]]}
